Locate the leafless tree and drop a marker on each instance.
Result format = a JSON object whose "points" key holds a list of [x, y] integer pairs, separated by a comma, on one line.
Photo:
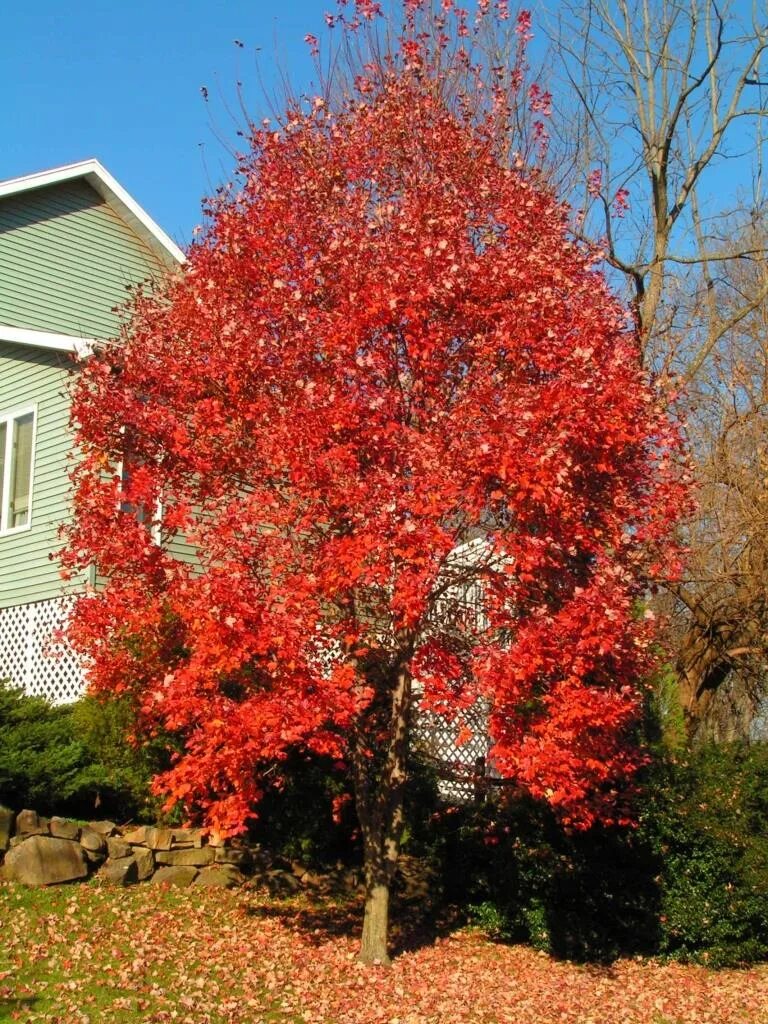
{"points": [[668, 102], [722, 650], [665, 124]]}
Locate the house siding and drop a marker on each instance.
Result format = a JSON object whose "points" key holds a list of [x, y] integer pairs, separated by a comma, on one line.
{"points": [[28, 376], [66, 261]]}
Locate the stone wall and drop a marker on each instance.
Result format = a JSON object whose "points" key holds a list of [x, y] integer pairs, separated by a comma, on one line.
{"points": [[48, 851]]}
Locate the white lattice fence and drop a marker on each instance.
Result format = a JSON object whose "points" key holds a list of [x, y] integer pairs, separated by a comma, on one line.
{"points": [[459, 762], [31, 659]]}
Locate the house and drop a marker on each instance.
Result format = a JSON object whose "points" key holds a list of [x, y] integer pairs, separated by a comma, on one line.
{"points": [[72, 241]]}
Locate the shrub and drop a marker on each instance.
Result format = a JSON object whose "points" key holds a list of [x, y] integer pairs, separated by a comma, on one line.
{"points": [[41, 760], [691, 882], [585, 896], [706, 819], [119, 770], [307, 813], [72, 759]]}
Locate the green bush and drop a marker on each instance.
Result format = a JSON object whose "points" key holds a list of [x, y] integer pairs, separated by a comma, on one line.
{"points": [[41, 761], [119, 770], [690, 882], [73, 760], [307, 813], [706, 820], [584, 896]]}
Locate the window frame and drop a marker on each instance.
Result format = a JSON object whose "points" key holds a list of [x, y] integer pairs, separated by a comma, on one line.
{"points": [[7, 416], [155, 525]]}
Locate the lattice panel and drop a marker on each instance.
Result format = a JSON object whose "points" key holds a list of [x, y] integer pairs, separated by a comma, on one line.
{"points": [[31, 659], [327, 652], [459, 766], [461, 608]]}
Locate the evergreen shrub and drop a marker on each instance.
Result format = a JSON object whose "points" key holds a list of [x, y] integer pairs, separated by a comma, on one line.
{"points": [[73, 760], [690, 882]]}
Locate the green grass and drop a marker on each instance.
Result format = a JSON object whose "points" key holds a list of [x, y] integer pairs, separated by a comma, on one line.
{"points": [[85, 954]]}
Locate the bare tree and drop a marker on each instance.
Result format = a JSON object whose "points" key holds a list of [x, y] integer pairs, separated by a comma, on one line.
{"points": [[723, 639], [666, 125], [665, 91]]}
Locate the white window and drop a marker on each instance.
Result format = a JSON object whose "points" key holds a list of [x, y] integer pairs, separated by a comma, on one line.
{"points": [[17, 444], [125, 467]]}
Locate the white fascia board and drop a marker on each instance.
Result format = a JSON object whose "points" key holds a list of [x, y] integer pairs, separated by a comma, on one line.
{"points": [[112, 192], [44, 339]]}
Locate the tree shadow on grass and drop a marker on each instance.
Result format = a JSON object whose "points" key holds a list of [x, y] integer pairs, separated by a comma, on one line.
{"points": [[410, 928], [414, 928], [9, 1005], [318, 922]]}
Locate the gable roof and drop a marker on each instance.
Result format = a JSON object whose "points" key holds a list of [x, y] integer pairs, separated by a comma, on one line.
{"points": [[122, 204], [113, 193]]}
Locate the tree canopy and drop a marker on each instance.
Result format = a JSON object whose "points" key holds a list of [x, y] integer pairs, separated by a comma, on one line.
{"points": [[384, 344]]}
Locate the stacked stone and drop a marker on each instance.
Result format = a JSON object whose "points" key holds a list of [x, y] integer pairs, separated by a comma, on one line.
{"points": [[42, 851], [47, 851]]}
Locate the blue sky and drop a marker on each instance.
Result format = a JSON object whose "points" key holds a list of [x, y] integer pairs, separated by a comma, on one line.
{"points": [[120, 80]]}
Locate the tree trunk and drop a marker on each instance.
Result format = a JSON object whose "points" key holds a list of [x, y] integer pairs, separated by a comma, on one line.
{"points": [[379, 802], [374, 944], [703, 665], [699, 671]]}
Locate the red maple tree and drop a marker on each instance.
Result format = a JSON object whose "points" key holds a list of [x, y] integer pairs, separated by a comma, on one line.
{"points": [[384, 344]]}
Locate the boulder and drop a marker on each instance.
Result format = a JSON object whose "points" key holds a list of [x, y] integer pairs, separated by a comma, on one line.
{"points": [[63, 828], [281, 883], [28, 823], [314, 880], [220, 876], [119, 871], [117, 848], [186, 858], [255, 857], [187, 837], [158, 838], [136, 836], [145, 862], [182, 876], [91, 841], [228, 855], [6, 827], [45, 860], [103, 828]]}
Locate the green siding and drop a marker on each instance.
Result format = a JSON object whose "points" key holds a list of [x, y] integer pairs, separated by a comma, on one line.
{"points": [[66, 259], [28, 376], [178, 548], [39, 376]]}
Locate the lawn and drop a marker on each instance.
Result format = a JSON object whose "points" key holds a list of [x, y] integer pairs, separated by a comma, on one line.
{"points": [[89, 954]]}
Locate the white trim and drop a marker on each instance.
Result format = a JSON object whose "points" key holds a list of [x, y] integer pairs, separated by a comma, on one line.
{"points": [[45, 339], [8, 416], [112, 192]]}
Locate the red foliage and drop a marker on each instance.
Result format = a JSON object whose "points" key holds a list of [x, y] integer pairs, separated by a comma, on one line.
{"points": [[384, 343]]}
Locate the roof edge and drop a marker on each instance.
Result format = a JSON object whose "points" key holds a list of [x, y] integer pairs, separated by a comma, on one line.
{"points": [[46, 339], [112, 192]]}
